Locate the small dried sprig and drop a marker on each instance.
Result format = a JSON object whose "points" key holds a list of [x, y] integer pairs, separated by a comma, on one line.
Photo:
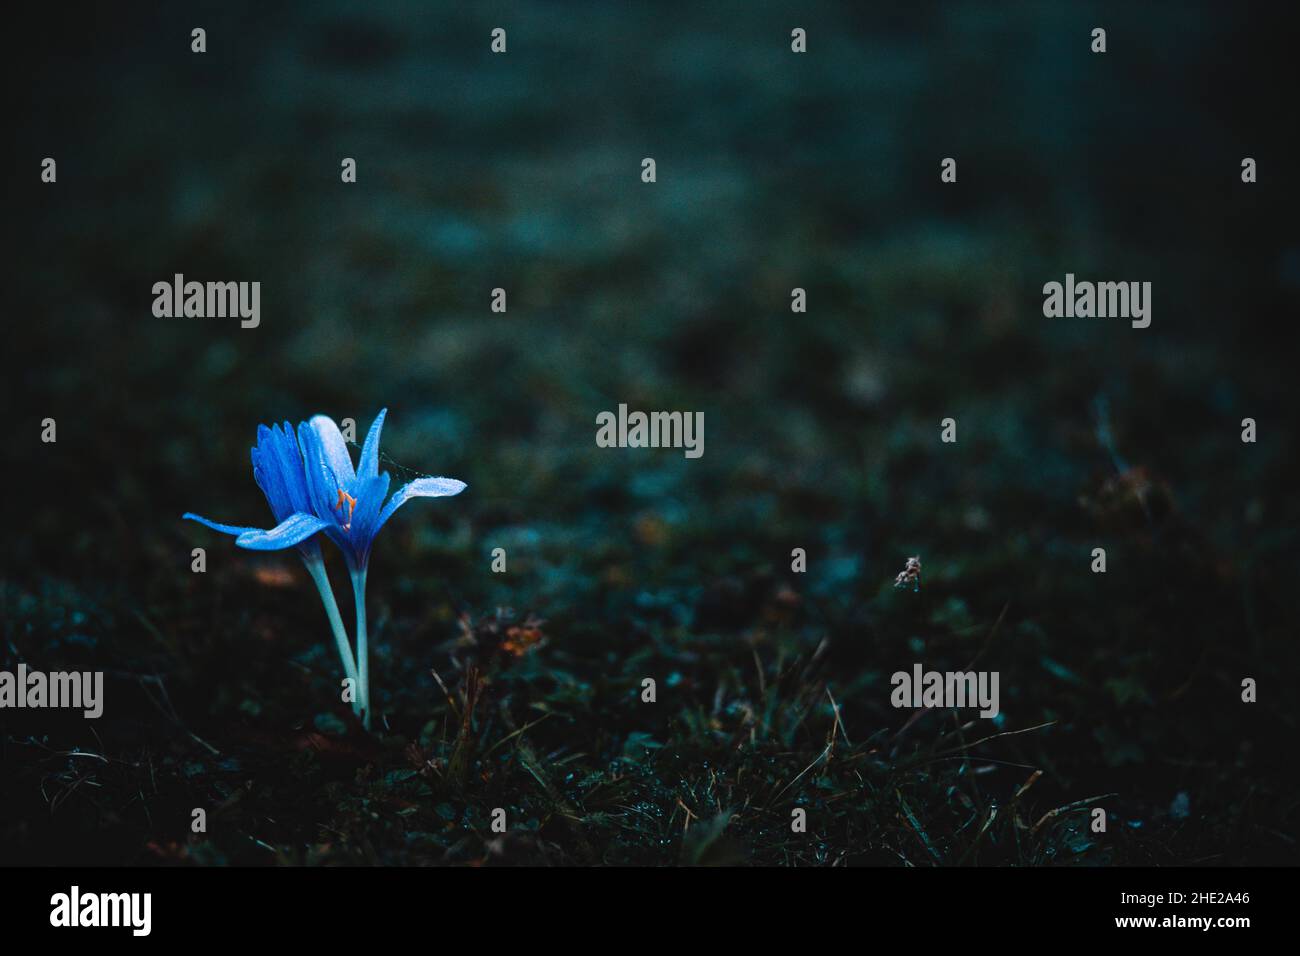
{"points": [[497, 638], [911, 574]]}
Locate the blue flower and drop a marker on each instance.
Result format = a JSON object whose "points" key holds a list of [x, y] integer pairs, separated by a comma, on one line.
{"points": [[278, 470], [312, 486], [351, 503]]}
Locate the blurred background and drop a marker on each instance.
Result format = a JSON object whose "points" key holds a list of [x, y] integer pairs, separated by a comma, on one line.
{"points": [[775, 170]]}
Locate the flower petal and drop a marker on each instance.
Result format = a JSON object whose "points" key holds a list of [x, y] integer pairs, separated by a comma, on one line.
{"points": [[217, 526], [333, 449], [291, 467], [269, 474], [292, 530], [368, 467], [371, 493], [320, 470], [420, 488]]}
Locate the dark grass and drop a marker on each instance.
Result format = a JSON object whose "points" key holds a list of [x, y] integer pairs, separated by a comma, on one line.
{"points": [[1119, 690]]}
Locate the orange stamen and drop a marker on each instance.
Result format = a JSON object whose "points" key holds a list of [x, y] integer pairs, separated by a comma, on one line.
{"points": [[352, 505]]}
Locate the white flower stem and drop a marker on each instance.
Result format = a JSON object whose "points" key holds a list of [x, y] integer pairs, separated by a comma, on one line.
{"points": [[363, 650], [316, 568]]}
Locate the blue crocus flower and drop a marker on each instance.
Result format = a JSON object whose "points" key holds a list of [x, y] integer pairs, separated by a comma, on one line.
{"points": [[352, 503], [312, 487], [279, 471]]}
